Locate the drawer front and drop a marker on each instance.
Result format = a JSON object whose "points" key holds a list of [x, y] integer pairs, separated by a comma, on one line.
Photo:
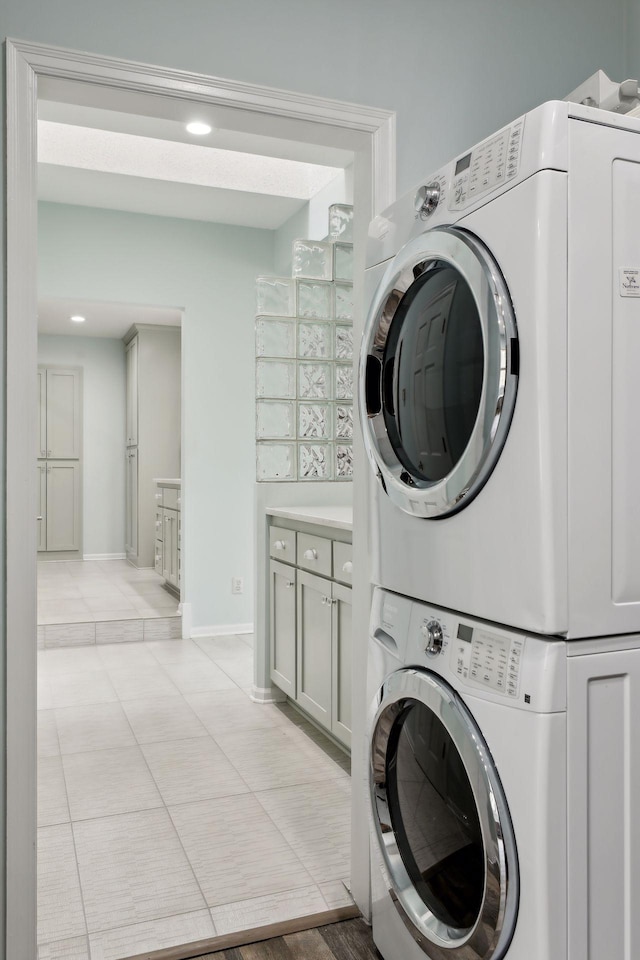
{"points": [[282, 544], [314, 553], [342, 562], [170, 497]]}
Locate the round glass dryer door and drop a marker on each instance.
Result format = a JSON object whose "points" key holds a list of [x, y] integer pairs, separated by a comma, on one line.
{"points": [[442, 821], [438, 372]]}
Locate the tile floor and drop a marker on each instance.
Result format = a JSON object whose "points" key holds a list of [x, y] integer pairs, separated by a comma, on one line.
{"points": [[88, 591], [173, 808]]}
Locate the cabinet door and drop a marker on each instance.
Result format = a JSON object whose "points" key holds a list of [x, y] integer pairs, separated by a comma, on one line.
{"points": [[170, 547], [179, 546], [63, 505], [132, 504], [63, 414], [132, 393], [42, 506], [282, 626], [341, 663], [314, 646], [42, 412]]}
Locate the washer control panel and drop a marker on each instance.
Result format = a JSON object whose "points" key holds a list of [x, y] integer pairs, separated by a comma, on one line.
{"points": [[487, 659], [488, 166]]}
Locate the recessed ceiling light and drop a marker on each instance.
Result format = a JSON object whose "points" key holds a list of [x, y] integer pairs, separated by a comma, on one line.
{"points": [[198, 129], [78, 319]]}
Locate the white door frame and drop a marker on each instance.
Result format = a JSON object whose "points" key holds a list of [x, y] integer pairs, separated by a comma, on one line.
{"points": [[26, 64]]}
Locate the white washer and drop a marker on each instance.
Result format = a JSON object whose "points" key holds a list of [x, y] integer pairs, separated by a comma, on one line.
{"points": [[499, 381], [504, 777]]}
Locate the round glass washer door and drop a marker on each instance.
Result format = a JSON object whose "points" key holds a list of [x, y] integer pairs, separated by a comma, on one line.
{"points": [[442, 821], [438, 372]]}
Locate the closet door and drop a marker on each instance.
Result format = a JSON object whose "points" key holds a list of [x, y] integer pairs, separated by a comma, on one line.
{"points": [[63, 505], [132, 505], [63, 414], [132, 393]]}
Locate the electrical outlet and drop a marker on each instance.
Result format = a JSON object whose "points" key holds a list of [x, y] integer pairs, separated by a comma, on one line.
{"points": [[237, 585]]}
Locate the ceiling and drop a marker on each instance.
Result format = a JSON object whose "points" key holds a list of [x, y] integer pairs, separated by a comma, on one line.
{"points": [[150, 164], [111, 149], [102, 319]]}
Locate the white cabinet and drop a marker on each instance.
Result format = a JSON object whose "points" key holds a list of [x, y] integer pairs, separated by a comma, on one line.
{"points": [[167, 529], [341, 632], [63, 419], [313, 648], [282, 601], [131, 503], [170, 546], [59, 505], [59, 469], [152, 429], [42, 505], [132, 392], [310, 624]]}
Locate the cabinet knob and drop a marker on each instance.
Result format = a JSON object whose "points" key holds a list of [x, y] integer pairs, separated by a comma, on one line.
{"points": [[48, 453], [43, 452], [179, 501], [290, 583], [279, 545], [347, 567], [158, 496], [38, 518], [310, 554]]}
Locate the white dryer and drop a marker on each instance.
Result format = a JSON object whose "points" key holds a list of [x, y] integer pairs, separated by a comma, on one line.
{"points": [[503, 777], [499, 383]]}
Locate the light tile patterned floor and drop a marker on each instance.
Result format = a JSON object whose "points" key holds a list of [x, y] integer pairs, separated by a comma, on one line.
{"points": [[171, 806], [97, 591]]}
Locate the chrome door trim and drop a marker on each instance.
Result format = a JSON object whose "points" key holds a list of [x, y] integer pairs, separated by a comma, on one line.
{"points": [[468, 256], [489, 937]]}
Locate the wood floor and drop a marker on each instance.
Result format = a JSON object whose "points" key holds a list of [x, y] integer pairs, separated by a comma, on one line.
{"points": [[349, 940]]}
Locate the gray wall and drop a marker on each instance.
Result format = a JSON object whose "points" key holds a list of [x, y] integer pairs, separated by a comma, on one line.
{"points": [[208, 270], [103, 434], [632, 40], [452, 71]]}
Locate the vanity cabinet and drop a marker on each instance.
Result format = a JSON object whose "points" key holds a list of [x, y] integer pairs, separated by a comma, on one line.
{"points": [[282, 604], [310, 623], [168, 534]]}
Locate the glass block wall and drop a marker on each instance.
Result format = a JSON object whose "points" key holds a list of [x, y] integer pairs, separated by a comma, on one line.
{"points": [[304, 361]]}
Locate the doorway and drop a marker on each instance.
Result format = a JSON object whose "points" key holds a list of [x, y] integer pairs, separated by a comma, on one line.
{"points": [[369, 133]]}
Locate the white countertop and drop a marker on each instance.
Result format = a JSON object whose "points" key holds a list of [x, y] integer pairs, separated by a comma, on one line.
{"points": [[167, 482], [325, 516]]}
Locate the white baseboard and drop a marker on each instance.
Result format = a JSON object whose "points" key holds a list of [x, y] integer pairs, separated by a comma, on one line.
{"points": [[104, 556], [221, 629], [270, 694]]}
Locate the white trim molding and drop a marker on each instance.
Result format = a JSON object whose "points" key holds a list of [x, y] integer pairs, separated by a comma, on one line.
{"points": [[222, 630], [104, 556], [270, 694], [369, 132]]}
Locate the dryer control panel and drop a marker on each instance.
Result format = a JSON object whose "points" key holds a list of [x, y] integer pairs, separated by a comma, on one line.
{"points": [[487, 167]]}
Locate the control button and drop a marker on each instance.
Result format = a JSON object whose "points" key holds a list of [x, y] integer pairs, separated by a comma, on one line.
{"points": [[432, 632], [427, 199]]}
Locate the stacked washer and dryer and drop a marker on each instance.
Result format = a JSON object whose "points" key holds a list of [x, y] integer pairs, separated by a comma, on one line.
{"points": [[500, 403]]}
